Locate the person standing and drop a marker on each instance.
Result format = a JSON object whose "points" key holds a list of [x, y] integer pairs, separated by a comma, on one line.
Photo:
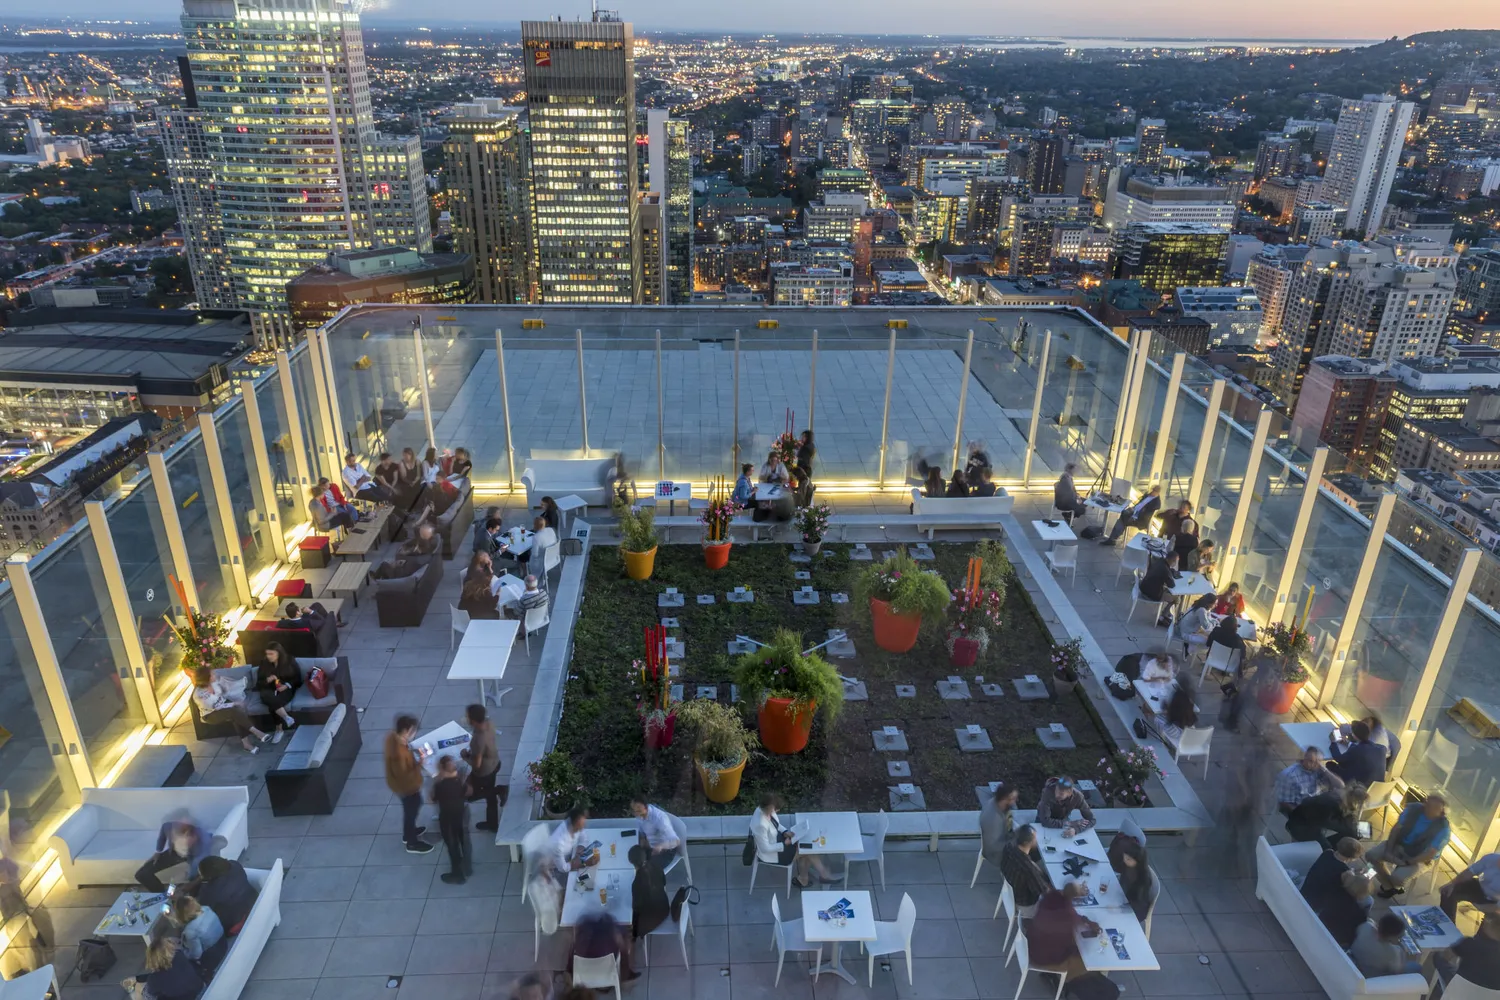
{"points": [[1478, 884], [483, 757], [403, 775], [806, 452], [179, 841], [450, 793], [1052, 934]]}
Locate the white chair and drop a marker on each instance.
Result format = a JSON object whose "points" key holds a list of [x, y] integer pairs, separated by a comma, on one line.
{"points": [[1064, 557], [892, 936], [874, 848], [786, 935], [1023, 955], [1224, 659], [1006, 902], [1194, 743], [1136, 597], [1151, 905], [1121, 488], [1134, 560], [679, 929], [1380, 798], [1461, 989], [460, 623], [532, 844], [679, 828], [1442, 756], [1207, 518], [1132, 829], [755, 868], [978, 863], [598, 973], [552, 557], [536, 618]]}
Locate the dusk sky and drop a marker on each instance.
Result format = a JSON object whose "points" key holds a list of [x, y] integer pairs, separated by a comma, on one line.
{"points": [[1291, 19]]}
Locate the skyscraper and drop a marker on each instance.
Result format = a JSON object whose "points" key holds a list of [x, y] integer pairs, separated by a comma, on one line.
{"points": [[580, 96], [1164, 256], [486, 163], [191, 147], [1362, 162], [299, 170], [1046, 170], [671, 175]]}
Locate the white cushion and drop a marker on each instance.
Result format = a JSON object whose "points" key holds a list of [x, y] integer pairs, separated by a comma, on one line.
{"points": [[324, 742]]}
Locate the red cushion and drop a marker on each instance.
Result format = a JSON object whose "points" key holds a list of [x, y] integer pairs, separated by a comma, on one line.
{"points": [[291, 588], [313, 542], [260, 625]]}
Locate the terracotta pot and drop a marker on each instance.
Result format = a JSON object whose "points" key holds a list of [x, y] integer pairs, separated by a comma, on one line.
{"points": [[965, 652], [811, 548], [727, 787], [638, 565], [660, 736], [1061, 686], [893, 633], [782, 730], [1375, 692], [716, 554], [1278, 699]]}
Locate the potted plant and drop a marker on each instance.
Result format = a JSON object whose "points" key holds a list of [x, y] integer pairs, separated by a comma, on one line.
{"points": [[205, 641], [900, 597], [995, 569], [557, 779], [1283, 645], [973, 614], [654, 702], [785, 447], [1122, 778], [721, 746], [715, 519], [811, 523], [637, 539], [1067, 661], [789, 688]]}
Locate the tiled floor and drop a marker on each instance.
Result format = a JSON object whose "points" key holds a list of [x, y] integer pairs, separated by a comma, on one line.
{"points": [[356, 908]]}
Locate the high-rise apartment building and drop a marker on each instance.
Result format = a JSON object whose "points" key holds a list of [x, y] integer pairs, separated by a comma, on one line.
{"points": [[1150, 140], [1478, 292], [670, 174], [1316, 220], [1131, 198], [299, 170], [1277, 156], [580, 98], [1312, 307], [191, 146], [649, 219], [1270, 273], [1046, 169], [486, 164], [1393, 312], [1362, 162]]}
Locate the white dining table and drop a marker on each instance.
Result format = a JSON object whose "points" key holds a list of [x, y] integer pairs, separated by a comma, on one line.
{"points": [[770, 491], [1102, 883], [1120, 946], [517, 541], [484, 653], [615, 840], [1310, 734], [1190, 584], [1053, 533], [579, 902], [1244, 626], [860, 927], [455, 735], [826, 833], [1055, 847]]}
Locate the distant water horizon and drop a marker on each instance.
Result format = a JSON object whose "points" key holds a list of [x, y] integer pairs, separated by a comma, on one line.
{"points": [[1153, 42]]}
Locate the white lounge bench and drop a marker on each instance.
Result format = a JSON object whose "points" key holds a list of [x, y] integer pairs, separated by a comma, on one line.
{"points": [[555, 477], [113, 831], [245, 947], [934, 513]]}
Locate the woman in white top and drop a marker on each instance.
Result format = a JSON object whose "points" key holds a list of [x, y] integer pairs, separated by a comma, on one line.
{"points": [[432, 469], [216, 703], [776, 846], [774, 471]]}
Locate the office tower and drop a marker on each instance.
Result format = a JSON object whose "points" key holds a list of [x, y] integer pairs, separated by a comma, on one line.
{"points": [[797, 284], [985, 195], [191, 147], [1478, 292], [1277, 156], [1033, 234], [1132, 198], [300, 170], [1343, 404], [670, 174], [1362, 163], [486, 164], [653, 248], [392, 274], [833, 218], [1046, 170], [1150, 140], [1164, 256], [845, 181], [580, 96]]}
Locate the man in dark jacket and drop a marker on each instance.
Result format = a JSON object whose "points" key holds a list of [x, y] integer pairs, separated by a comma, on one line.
{"points": [[649, 908], [1137, 515], [179, 841], [1065, 494], [1027, 879], [1338, 894], [1362, 761], [1059, 799], [224, 888], [1161, 572]]}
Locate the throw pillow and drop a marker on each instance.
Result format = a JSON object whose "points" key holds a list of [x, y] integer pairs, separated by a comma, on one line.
{"points": [[234, 687]]}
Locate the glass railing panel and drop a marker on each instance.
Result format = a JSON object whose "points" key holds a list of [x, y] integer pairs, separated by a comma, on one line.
{"points": [[145, 560], [246, 499], [187, 470]]}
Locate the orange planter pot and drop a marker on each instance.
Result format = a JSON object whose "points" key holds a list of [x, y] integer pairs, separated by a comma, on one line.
{"points": [[1280, 699], [781, 729], [893, 633], [716, 554]]}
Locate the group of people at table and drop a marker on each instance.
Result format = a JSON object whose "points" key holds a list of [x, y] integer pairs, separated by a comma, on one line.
{"points": [[431, 485], [486, 594], [796, 480]]}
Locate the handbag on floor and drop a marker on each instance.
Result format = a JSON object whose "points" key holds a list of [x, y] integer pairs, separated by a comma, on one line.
{"points": [[95, 959]]}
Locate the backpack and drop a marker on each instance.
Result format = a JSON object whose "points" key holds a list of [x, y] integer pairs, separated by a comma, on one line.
{"points": [[95, 958], [687, 895]]}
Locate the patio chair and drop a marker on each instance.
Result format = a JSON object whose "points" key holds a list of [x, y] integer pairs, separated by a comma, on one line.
{"points": [[1224, 659], [1137, 598], [460, 623], [1151, 905], [892, 936], [787, 935], [1023, 955], [874, 848], [1007, 902], [535, 618], [679, 929], [755, 867], [1194, 743], [1134, 560], [679, 828], [1064, 557], [1132, 829], [598, 973]]}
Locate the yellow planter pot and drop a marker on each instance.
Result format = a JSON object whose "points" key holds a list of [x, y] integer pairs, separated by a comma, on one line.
{"points": [[638, 565], [727, 788]]}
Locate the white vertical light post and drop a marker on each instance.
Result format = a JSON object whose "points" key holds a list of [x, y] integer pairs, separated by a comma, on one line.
{"points": [[421, 359], [1205, 444], [661, 439], [1286, 601], [1247, 496], [136, 674], [324, 433], [510, 448], [233, 556], [963, 399], [301, 470], [735, 446], [335, 412], [812, 381], [1036, 409], [258, 462], [583, 398], [1168, 414], [885, 419], [1122, 400], [1125, 464]]}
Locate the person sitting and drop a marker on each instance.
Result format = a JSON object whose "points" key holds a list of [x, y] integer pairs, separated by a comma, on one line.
{"points": [[542, 539], [957, 486], [169, 974], [1377, 948], [1362, 760], [1180, 712], [775, 471], [335, 498], [487, 534], [179, 841], [776, 846], [326, 514], [198, 927], [409, 490], [984, 487], [1478, 957], [1328, 811], [1337, 889], [1185, 539], [1195, 625], [934, 486], [1065, 497], [219, 702], [1478, 884], [1137, 515], [1419, 836], [1172, 520], [744, 487], [996, 825], [432, 469], [596, 935], [1227, 633], [388, 474], [360, 484], [1059, 798], [1383, 737], [565, 846], [1231, 601], [551, 514], [277, 680], [477, 596], [459, 468], [532, 597], [303, 616], [1127, 856], [656, 833], [223, 887], [1161, 573], [1052, 934], [413, 554], [1201, 559], [1301, 781], [1028, 879], [649, 907]]}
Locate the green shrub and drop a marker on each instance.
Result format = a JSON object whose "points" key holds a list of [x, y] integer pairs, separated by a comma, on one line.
{"points": [[904, 585], [721, 740], [637, 527], [779, 670]]}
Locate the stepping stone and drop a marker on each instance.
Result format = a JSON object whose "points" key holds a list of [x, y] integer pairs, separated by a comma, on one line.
{"points": [[802, 574], [670, 623], [922, 552], [986, 794], [676, 650], [855, 690], [890, 738], [887, 554], [1031, 688], [676, 691], [898, 768], [739, 646], [840, 598], [674, 669], [705, 598], [1090, 792], [671, 599], [906, 690], [861, 553], [842, 647], [993, 690], [739, 595], [709, 691], [801, 557], [973, 739], [805, 595], [953, 689], [906, 798], [1055, 737]]}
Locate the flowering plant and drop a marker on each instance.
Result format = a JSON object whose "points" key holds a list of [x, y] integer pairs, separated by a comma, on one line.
{"points": [[811, 521], [1067, 660], [973, 614], [1123, 777], [716, 517], [653, 675], [781, 670], [205, 641], [555, 776], [1287, 643], [906, 588], [785, 447]]}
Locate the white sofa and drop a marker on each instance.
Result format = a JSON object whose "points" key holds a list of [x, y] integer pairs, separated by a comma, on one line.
{"points": [[959, 512], [1335, 972], [114, 830], [556, 477], [245, 947]]}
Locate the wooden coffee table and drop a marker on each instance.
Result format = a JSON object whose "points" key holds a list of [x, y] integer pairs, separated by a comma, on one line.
{"points": [[348, 579], [366, 536]]}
